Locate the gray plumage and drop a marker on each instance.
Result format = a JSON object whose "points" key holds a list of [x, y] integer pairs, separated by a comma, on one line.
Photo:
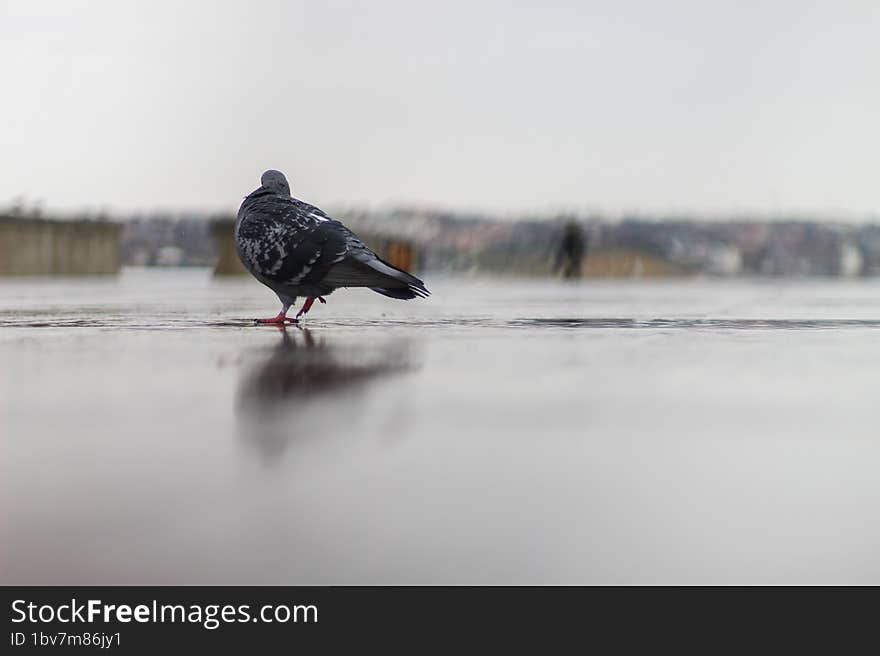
{"points": [[297, 250]]}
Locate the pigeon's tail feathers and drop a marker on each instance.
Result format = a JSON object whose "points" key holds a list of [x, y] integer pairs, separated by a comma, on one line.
{"points": [[378, 275], [400, 292], [407, 285]]}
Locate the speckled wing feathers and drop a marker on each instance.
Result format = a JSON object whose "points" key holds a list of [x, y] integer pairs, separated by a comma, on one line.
{"points": [[286, 241], [293, 246]]}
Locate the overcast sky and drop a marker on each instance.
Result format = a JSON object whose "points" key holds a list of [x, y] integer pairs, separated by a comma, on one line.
{"points": [[504, 106]]}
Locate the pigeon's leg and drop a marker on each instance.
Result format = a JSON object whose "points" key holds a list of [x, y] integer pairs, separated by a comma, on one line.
{"points": [[308, 304], [280, 318], [306, 307]]}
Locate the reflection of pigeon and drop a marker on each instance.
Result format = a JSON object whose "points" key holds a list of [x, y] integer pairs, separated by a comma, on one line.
{"points": [[300, 370], [293, 391], [296, 250]]}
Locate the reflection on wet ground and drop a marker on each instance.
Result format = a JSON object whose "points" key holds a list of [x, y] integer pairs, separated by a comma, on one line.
{"points": [[705, 324], [502, 431], [294, 391], [171, 323]]}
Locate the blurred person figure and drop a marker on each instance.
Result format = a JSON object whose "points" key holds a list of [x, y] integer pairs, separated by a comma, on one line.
{"points": [[572, 248]]}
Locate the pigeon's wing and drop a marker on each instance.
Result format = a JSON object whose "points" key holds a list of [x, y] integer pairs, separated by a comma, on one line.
{"points": [[288, 242]]}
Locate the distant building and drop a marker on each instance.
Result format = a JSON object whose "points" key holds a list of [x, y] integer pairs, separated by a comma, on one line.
{"points": [[35, 246]]}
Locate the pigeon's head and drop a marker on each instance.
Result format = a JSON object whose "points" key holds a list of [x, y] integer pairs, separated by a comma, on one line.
{"points": [[275, 182]]}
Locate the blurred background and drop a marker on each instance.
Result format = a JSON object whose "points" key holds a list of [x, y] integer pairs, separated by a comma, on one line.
{"points": [[651, 231], [680, 137]]}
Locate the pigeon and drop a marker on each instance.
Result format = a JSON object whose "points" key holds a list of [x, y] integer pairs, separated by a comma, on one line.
{"points": [[295, 249]]}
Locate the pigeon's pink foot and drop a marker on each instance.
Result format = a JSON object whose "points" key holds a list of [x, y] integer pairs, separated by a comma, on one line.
{"points": [[277, 320], [308, 304]]}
